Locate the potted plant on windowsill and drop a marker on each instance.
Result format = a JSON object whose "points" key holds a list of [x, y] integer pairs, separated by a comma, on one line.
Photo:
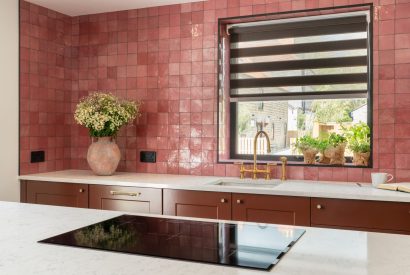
{"points": [[308, 146], [358, 138], [333, 150], [104, 114], [322, 145]]}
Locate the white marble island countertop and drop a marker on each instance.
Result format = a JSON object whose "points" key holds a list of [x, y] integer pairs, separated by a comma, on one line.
{"points": [[305, 188], [319, 251]]}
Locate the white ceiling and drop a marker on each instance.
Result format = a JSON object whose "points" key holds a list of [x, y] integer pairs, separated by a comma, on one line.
{"points": [[82, 7]]}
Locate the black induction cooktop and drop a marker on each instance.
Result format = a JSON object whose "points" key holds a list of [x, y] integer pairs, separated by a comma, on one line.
{"points": [[242, 245]]}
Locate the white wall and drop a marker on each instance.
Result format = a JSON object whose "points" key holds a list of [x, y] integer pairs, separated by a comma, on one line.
{"points": [[9, 98]]}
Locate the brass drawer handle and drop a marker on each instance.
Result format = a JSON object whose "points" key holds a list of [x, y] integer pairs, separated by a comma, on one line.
{"points": [[238, 201], [122, 193], [223, 200], [81, 190], [319, 206]]}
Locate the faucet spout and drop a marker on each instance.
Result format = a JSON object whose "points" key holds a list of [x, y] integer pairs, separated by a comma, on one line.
{"points": [[255, 147]]}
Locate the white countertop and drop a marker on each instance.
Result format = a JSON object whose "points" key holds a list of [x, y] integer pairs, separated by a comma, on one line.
{"points": [[319, 251], [340, 190]]}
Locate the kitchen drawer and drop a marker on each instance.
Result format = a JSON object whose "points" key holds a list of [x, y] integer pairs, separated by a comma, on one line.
{"points": [[361, 215], [199, 204], [56, 193], [127, 199], [271, 209]]}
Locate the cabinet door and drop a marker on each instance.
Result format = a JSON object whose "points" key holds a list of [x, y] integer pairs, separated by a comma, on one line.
{"points": [[271, 209], [56, 193], [211, 205], [361, 215], [127, 199]]}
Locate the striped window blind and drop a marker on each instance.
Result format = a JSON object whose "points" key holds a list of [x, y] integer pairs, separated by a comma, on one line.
{"points": [[316, 57]]}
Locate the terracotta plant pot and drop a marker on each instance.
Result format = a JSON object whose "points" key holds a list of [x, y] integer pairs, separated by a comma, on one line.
{"points": [[103, 156], [323, 157], [309, 156], [361, 159], [336, 154]]}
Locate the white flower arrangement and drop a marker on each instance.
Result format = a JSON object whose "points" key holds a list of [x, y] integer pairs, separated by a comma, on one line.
{"points": [[104, 114]]}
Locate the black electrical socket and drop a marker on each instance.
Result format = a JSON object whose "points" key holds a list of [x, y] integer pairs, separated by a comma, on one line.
{"points": [[37, 156], [148, 156]]}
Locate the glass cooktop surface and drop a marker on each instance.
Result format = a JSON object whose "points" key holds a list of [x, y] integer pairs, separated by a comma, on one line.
{"points": [[258, 246]]}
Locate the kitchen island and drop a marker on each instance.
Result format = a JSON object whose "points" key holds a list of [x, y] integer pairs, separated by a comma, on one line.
{"points": [[319, 251]]}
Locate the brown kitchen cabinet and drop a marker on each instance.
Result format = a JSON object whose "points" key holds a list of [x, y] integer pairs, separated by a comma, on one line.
{"points": [[199, 204], [55, 193], [393, 217], [127, 199], [271, 209], [380, 216]]}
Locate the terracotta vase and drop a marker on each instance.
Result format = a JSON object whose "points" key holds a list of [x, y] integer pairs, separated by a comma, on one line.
{"points": [[361, 159], [103, 156], [309, 156], [336, 154], [323, 157]]}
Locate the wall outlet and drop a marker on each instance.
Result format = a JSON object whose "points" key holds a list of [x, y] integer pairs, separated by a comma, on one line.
{"points": [[148, 156], [37, 156]]}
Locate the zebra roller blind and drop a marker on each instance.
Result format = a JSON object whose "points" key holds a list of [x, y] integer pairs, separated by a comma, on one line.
{"points": [[316, 57]]}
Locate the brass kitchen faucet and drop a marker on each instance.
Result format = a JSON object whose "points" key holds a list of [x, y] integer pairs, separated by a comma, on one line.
{"points": [[255, 169]]}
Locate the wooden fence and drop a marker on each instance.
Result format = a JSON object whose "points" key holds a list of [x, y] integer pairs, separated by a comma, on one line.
{"points": [[245, 145]]}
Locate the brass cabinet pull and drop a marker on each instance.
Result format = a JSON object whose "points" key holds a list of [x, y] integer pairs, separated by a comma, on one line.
{"points": [[122, 193], [238, 201], [81, 190], [223, 200], [319, 206]]}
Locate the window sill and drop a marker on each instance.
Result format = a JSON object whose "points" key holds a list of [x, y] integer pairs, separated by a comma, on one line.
{"points": [[293, 163]]}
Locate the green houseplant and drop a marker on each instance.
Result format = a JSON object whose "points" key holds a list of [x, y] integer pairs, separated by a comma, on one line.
{"points": [[104, 114], [309, 148], [322, 145], [333, 149], [358, 139]]}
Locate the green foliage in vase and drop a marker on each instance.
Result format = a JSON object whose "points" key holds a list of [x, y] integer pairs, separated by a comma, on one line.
{"points": [[332, 140], [104, 114], [336, 139], [323, 144], [358, 137], [306, 142]]}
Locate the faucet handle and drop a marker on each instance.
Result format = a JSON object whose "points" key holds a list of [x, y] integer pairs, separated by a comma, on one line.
{"points": [[268, 166], [242, 169], [284, 161]]}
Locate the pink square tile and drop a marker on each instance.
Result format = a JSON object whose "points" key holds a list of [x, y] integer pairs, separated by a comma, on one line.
{"points": [[403, 10], [402, 56], [402, 41]]}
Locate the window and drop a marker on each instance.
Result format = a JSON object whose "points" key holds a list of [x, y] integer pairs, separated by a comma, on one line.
{"points": [[293, 74]]}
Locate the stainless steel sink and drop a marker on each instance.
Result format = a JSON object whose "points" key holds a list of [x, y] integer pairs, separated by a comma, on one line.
{"points": [[248, 184]]}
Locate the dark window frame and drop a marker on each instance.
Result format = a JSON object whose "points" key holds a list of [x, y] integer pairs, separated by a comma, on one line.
{"points": [[295, 160]]}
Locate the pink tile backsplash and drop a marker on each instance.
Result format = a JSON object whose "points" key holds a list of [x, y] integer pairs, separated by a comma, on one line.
{"points": [[166, 57], [45, 87]]}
